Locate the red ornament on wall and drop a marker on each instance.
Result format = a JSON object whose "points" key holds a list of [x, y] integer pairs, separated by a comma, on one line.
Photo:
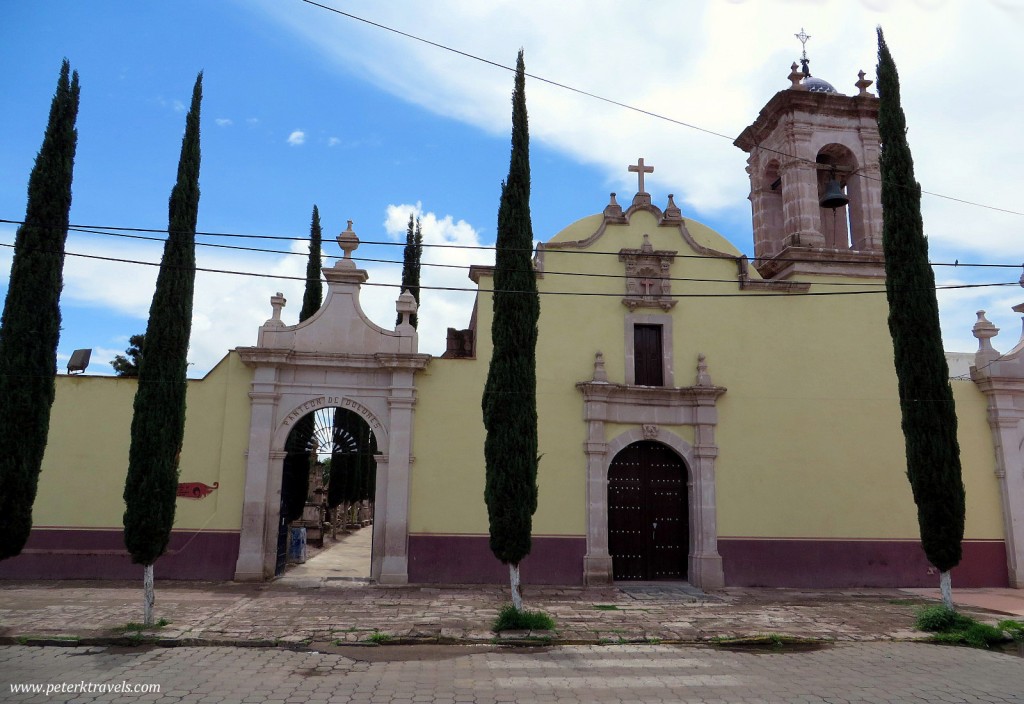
{"points": [[195, 490]]}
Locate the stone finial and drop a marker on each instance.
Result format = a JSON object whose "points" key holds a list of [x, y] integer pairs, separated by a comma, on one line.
{"points": [[277, 302], [647, 247], [348, 241], [406, 307], [984, 330], [672, 211], [795, 76], [862, 84], [600, 374], [613, 211], [703, 378]]}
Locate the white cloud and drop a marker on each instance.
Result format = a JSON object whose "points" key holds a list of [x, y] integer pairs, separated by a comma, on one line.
{"points": [[333, 142], [178, 106], [444, 267], [297, 138], [224, 122], [252, 121]]}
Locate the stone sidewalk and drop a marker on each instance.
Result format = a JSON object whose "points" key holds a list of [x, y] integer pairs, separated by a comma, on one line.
{"points": [[277, 613]]}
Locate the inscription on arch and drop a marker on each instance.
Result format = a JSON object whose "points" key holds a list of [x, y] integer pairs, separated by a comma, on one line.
{"points": [[332, 401]]}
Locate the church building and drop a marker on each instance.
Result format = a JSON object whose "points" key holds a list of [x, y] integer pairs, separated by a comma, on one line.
{"points": [[703, 416]]}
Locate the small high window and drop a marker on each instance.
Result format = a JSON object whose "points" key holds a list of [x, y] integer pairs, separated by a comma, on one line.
{"points": [[647, 356]]}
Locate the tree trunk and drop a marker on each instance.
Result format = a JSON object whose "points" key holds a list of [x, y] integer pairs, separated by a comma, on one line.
{"points": [[946, 587], [513, 576], [148, 597]]}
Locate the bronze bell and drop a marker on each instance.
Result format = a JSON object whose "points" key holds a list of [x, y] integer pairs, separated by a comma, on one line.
{"points": [[834, 196]]}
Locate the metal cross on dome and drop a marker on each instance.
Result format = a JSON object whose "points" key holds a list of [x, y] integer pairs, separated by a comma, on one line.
{"points": [[803, 37], [639, 169]]}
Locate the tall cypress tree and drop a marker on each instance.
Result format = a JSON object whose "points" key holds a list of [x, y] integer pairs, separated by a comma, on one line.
{"points": [[314, 293], [926, 399], [411, 257], [295, 486], [30, 325], [158, 423], [510, 395]]}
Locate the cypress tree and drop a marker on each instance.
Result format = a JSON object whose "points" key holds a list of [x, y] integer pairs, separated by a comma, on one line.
{"points": [[158, 423], [926, 399], [314, 293], [510, 394], [30, 324], [411, 257], [295, 486]]}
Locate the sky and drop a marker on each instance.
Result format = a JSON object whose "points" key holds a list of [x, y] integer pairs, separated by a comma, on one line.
{"points": [[306, 106]]}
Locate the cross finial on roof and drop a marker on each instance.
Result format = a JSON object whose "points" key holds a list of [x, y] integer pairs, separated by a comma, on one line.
{"points": [[803, 37], [804, 61], [639, 169]]}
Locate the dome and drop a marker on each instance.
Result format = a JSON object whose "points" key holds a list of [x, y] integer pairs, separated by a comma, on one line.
{"points": [[816, 85]]}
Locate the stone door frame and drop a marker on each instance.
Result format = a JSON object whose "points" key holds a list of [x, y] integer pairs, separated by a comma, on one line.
{"points": [[652, 411]]}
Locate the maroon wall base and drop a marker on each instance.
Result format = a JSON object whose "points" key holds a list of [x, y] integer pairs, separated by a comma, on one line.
{"points": [[467, 559], [100, 554], [778, 562]]}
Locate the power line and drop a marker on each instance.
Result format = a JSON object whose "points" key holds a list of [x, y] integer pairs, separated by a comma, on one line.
{"points": [[625, 106], [113, 230], [468, 289]]}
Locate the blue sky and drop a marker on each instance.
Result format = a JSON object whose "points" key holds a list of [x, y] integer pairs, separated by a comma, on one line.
{"points": [[303, 106]]}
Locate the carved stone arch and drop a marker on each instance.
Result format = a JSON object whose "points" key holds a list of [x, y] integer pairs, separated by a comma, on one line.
{"points": [[378, 426], [336, 358], [664, 436], [770, 211]]}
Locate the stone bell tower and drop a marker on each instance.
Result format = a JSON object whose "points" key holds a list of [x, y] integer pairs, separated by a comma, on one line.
{"points": [[806, 137]]}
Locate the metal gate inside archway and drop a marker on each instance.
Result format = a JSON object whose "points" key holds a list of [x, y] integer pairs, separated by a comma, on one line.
{"points": [[329, 468], [648, 513]]}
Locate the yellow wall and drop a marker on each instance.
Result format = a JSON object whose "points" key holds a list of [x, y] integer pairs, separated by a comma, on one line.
{"points": [[86, 461], [809, 429]]}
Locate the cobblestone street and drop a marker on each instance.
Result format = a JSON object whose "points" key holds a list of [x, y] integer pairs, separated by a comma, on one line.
{"points": [[852, 672]]}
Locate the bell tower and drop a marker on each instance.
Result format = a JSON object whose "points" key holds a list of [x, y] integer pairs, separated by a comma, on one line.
{"points": [[815, 188]]}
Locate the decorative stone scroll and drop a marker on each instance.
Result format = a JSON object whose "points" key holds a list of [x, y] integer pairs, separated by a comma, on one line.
{"points": [[648, 282]]}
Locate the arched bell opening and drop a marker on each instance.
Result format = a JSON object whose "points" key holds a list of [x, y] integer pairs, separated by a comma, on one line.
{"points": [[839, 193], [328, 485], [771, 212]]}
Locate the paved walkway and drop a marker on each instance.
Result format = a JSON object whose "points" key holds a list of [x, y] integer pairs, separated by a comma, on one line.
{"points": [[329, 600]]}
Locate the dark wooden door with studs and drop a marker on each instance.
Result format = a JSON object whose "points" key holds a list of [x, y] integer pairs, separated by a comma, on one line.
{"points": [[648, 521]]}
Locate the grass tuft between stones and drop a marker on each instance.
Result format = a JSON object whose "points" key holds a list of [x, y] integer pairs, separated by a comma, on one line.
{"points": [[512, 619], [953, 628]]}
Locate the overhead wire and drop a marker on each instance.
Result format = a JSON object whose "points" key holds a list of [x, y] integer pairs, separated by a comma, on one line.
{"points": [[626, 106], [474, 289], [114, 230]]}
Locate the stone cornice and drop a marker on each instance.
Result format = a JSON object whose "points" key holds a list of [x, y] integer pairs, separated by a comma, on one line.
{"points": [[787, 102], [795, 260], [262, 356], [649, 395]]}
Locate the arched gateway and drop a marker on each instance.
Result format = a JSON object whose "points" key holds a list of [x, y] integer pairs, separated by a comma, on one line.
{"points": [[336, 358]]}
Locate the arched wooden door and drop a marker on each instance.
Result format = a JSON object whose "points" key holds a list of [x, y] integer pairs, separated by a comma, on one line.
{"points": [[648, 513]]}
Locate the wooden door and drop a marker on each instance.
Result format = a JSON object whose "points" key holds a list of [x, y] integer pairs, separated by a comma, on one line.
{"points": [[648, 519], [647, 356]]}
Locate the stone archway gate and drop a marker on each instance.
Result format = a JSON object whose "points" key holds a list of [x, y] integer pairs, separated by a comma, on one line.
{"points": [[336, 358]]}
